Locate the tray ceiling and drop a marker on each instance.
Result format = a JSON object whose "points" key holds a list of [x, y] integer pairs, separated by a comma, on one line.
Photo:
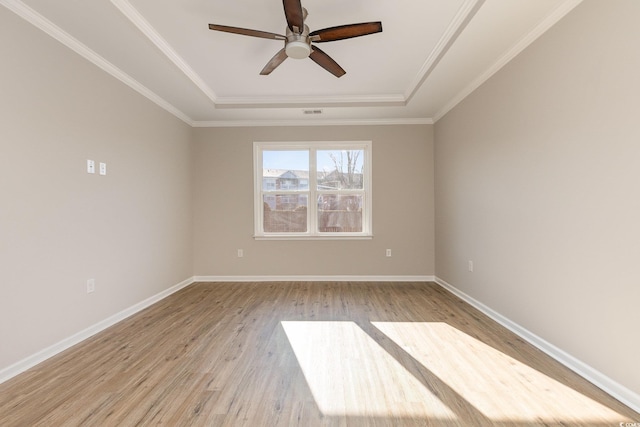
{"points": [[429, 56]]}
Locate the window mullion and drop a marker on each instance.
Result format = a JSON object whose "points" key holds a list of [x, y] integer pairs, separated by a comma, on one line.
{"points": [[312, 207]]}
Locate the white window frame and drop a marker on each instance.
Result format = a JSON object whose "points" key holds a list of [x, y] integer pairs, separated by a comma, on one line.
{"points": [[312, 232]]}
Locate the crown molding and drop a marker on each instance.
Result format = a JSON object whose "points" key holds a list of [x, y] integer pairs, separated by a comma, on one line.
{"points": [[312, 122], [462, 18], [552, 19], [397, 100], [42, 23], [125, 7]]}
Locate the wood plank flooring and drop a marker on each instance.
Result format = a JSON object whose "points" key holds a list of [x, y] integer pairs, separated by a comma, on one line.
{"points": [[306, 354]]}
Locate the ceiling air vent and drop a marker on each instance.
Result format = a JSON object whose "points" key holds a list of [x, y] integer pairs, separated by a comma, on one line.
{"points": [[311, 112]]}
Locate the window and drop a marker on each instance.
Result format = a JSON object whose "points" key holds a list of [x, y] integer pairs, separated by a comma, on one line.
{"points": [[312, 190]]}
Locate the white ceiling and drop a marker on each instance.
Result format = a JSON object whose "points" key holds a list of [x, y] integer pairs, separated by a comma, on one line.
{"points": [[430, 55]]}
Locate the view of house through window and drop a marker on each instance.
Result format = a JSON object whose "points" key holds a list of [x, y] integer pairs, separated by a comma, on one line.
{"points": [[318, 189]]}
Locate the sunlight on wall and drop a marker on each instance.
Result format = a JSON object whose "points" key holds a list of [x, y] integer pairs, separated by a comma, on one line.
{"points": [[499, 386], [350, 374]]}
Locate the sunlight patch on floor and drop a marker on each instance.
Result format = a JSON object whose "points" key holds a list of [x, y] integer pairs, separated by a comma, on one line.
{"points": [[499, 386], [350, 374]]}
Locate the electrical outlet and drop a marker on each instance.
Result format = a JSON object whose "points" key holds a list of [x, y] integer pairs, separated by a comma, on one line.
{"points": [[103, 168], [91, 166], [388, 252], [91, 285], [240, 253], [470, 266]]}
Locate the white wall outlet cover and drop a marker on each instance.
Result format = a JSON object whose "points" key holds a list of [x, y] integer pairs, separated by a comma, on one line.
{"points": [[91, 166], [91, 285], [103, 168]]}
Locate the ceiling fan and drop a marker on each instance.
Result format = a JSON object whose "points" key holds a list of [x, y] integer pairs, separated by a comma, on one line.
{"points": [[298, 39]]}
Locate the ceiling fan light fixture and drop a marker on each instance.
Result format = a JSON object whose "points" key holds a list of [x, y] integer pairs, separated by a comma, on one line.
{"points": [[298, 39], [298, 49]]}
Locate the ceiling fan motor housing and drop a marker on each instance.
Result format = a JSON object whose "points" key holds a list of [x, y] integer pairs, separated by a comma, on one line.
{"points": [[298, 46]]}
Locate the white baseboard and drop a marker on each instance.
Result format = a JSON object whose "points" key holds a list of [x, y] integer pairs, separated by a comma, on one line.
{"points": [[314, 278], [29, 362], [615, 389]]}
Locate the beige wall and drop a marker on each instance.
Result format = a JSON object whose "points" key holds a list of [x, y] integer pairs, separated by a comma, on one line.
{"points": [[402, 206], [538, 182], [59, 226]]}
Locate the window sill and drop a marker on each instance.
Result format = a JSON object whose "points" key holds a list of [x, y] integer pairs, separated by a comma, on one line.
{"points": [[315, 237]]}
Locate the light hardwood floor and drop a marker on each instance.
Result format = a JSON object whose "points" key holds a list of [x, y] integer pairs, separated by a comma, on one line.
{"points": [[306, 354]]}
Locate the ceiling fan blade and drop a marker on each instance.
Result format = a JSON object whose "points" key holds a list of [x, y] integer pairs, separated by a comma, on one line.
{"points": [[325, 61], [277, 59], [295, 15], [246, 32], [345, 32]]}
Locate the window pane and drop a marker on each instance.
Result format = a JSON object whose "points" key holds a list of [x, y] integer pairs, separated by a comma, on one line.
{"points": [[285, 170], [285, 213], [339, 213], [340, 169]]}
